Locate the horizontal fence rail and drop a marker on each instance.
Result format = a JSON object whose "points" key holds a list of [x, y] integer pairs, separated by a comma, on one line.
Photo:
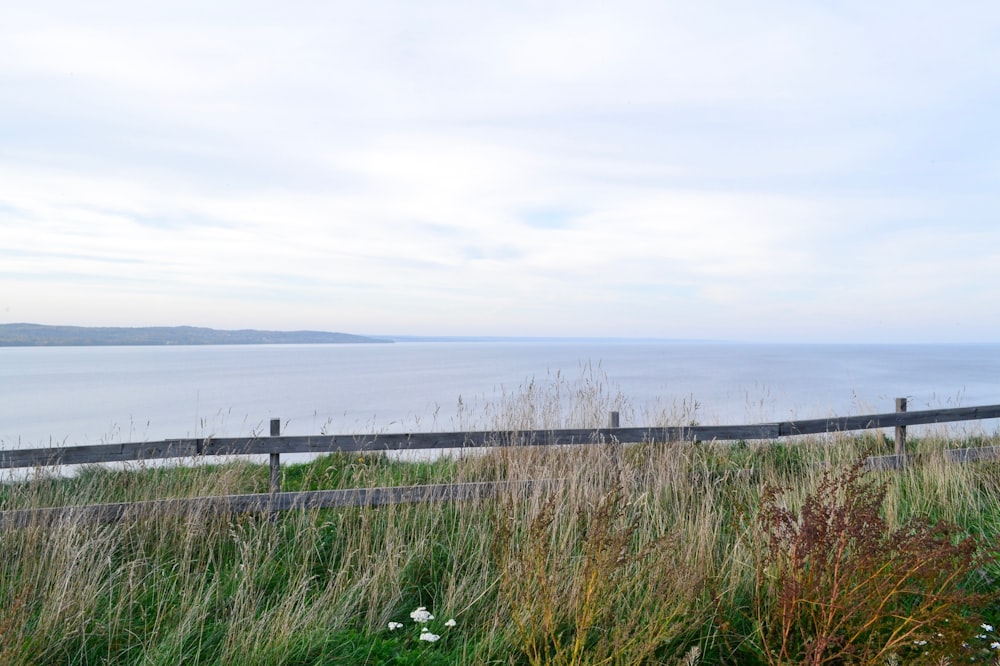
{"points": [[265, 502], [279, 444]]}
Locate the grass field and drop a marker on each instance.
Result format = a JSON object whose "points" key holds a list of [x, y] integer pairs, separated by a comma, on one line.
{"points": [[746, 553]]}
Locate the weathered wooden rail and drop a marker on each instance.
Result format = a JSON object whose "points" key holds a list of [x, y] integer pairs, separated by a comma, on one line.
{"points": [[264, 502], [276, 444], [283, 444]]}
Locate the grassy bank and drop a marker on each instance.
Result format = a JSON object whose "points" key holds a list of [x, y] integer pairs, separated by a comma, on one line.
{"points": [[748, 553], [681, 554]]}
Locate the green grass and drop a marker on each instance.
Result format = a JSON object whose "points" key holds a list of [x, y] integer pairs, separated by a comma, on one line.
{"points": [[665, 558]]}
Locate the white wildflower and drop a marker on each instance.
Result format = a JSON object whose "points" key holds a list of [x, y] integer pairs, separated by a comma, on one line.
{"points": [[450, 623], [995, 645], [393, 626], [986, 627], [920, 642], [421, 615], [426, 635]]}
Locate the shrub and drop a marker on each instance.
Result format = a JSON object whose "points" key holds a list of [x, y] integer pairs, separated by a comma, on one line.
{"points": [[835, 585]]}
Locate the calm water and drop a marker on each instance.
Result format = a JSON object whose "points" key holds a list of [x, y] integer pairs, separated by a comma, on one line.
{"points": [[87, 395]]}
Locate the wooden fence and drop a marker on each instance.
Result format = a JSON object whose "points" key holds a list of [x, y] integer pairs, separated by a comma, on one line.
{"points": [[276, 444]]}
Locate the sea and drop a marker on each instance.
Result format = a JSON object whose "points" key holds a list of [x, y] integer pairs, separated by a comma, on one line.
{"points": [[68, 396]]}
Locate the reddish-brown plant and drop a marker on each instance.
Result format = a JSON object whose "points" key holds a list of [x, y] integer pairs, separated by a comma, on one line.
{"points": [[836, 585]]}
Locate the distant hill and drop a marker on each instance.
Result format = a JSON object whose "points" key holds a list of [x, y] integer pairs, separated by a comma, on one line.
{"points": [[38, 335]]}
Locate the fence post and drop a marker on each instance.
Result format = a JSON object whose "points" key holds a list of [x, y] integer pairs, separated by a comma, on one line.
{"points": [[901, 432], [615, 445], [275, 459]]}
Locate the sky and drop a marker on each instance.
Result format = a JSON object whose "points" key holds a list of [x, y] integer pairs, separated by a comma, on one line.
{"points": [[754, 171]]}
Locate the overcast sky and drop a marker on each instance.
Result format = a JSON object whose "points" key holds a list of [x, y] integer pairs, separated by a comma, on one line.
{"points": [[786, 171]]}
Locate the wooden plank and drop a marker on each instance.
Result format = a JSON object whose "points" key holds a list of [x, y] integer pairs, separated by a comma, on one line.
{"points": [[890, 420], [79, 455], [973, 455], [976, 454], [882, 463], [234, 446], [732, 433], [266, 502], [240, 446], [237, 446]]}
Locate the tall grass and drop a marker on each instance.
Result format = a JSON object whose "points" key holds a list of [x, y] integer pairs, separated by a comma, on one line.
{"points": [[680, 553]]}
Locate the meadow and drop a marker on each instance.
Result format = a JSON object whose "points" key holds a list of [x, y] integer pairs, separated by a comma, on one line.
{"points": [[786, 552]]}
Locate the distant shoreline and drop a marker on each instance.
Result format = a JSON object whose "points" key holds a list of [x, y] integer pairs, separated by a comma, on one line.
{"points": [[40, 335], [43, 335]]}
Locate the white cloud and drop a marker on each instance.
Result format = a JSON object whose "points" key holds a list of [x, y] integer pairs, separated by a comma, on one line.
{"points": [[450, 168]]}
